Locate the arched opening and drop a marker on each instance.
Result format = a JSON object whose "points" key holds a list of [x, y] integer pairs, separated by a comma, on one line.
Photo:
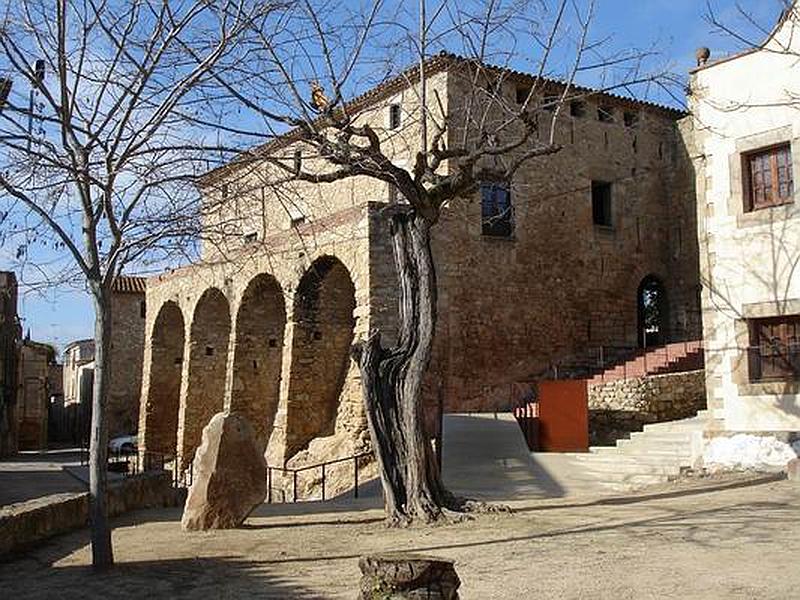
{"points": [[653, 314], [258, 354], [164, 391], [323, 333], [208, 358]]}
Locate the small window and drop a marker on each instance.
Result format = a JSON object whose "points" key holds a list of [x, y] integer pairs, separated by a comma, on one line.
{"points": [[522, 93], [601, 204], [250, 238], [769, 180], [297, 221], [605, 114], [298, 160], [577, 108], [550, 102], [774, 353], [394, 116], [630, 118], [142, 309], [209, 351], [496, 210], [225, 191]]}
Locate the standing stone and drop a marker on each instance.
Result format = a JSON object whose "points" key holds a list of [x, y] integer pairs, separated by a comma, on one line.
{"points": [[230, 475], [397, 576]]}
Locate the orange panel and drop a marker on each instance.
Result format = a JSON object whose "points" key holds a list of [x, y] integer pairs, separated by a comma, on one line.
{"points": [[563, 416]]}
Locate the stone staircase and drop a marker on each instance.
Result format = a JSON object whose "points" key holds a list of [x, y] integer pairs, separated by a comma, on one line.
{"points": [[671, 358], [656, 455]]}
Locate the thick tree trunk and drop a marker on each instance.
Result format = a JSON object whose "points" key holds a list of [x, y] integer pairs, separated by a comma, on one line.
{"points": [[102, 553], [392, 382]]}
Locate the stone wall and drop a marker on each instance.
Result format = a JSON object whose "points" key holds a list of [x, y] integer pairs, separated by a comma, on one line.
{"points": [[27, 523], [618, 408], [562, 285]]}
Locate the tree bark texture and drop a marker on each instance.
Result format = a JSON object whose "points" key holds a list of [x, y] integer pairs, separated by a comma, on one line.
{"points": [[102, 553], [392, 382]]}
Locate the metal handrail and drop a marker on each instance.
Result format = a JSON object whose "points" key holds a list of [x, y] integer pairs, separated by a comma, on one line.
{"points": [[323, 469], [140, 462]]}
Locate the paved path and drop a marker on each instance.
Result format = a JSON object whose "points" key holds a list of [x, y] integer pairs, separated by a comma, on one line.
{"points": [[35, 474], [485, 457]]}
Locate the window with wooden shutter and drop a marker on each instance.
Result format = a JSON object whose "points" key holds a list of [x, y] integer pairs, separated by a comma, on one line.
{"points": [[769, 178], [775, 349]]}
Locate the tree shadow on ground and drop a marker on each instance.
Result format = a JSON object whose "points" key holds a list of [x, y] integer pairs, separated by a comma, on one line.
{"points": [[743, 523], [219, 577], [640, 497]]}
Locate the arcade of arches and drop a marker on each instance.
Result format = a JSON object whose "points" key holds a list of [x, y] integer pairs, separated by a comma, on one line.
{"points": [[244, 352]]}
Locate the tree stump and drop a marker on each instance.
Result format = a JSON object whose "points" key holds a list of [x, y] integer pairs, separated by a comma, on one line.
{"points": [[398, 576]]}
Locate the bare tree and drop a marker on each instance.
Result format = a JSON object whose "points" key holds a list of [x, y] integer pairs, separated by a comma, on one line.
{"points": [[98, 160], [303, 64]]}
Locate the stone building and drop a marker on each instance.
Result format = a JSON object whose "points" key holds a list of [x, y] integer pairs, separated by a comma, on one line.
{"points": [[78, 372], [125, 357], [10, 335], [745, 146], [266, 328], [33, 395], [124, 364]]}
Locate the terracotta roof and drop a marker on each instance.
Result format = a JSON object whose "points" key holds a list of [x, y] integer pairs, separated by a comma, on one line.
{"points": [[129, 285], [434, 65]]}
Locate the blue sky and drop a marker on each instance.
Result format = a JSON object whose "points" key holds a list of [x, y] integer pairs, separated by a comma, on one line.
{"points": [[674, 27]]}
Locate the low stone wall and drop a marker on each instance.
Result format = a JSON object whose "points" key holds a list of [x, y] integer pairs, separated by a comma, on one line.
{"points": [[618, 408], [26, 523]]}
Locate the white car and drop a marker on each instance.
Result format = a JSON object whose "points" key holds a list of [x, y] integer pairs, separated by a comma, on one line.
{"points": [[124, 444]]}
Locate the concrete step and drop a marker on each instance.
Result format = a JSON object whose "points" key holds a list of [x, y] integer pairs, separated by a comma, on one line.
{"points": [[643, 459], [677, 427], [639, 479], [610, 473], [614, 479], [661, 435], [640, 447]]}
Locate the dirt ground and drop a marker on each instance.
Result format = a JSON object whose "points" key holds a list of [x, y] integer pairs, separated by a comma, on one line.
{"points": [[724, 539]]}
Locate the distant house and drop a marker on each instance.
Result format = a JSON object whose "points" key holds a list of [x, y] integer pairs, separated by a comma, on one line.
{"points": [[78, 372], [747, 155], [33, 396]]}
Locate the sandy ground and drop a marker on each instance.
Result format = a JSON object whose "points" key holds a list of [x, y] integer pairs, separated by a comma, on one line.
{"points": [[729, 539]]}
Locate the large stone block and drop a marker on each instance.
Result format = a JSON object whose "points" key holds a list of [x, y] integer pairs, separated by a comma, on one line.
{"points": [[230, 475]]}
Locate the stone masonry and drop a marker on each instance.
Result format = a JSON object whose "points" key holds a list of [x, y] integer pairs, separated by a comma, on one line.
{"points": [[263, 324], [618, 408]]}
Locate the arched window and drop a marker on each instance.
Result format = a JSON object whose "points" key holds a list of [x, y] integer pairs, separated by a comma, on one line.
{"points": [[653, 313]]}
